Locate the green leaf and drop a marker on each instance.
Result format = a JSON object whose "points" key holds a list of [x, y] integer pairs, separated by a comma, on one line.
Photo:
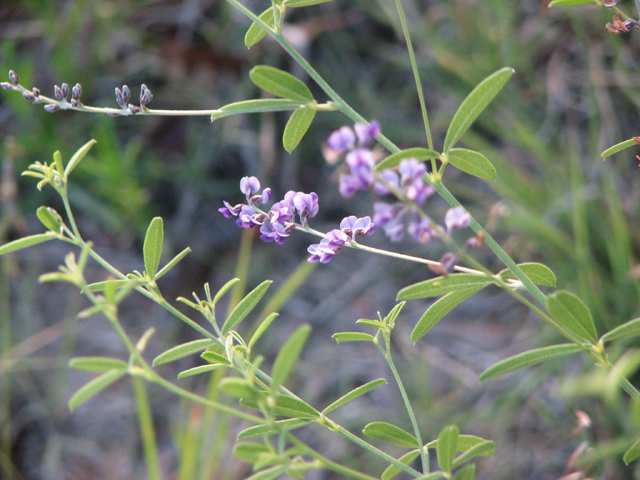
{"points": [[245, 306], [256, 32], [152, 249], [447, 446], [296, 127], [270, 473], [286, 406], [571, 3], [262, 328], [48, 219], [393, 314], [355, 393], [430, 476], [181, 351], [249, 451], [173, 262], [288, 356], [468, 472], [342, 337], [394, 160], [57, 158], [570, 312], [237, 387], [260, 105], [440, 308], [626, 330], [101, 286], [371, 323], [78, 156], [391, 434], [280, 83], [527, 359], [407, 459], [273, 428], [25, 242], [474, 104], [633, 453], [215, 358], [199, 370], [224, 289], [95, 386], [442, 285], [471, 162], [304, 3], [484, 448], [465, 442], [538, 273], [618, 147], [97, 364]]}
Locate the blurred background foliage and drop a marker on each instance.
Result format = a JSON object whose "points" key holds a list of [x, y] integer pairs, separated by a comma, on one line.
{"points": [[575, 93]]}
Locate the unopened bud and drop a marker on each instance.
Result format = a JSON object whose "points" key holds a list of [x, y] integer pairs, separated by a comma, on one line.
{"points": [[145, 95], [126, 94], [119, 98], [57, 91], [14, 77], [36, 91], [134, 108], [76, 92], [65, 90], [29, 96], [51, 108], [6, 86]]}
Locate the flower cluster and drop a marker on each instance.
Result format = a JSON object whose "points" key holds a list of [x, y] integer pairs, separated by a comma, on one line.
{"points": [[350, 227], [359, 158]]}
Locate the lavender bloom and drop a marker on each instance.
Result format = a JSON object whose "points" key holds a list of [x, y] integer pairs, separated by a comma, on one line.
{"points": [[391, 178], [249, 186], [275, 232], [352, 226], [228, 211], [248, 217], [420, 229], [342, 140], [457, 217], [324, 251], [391, 219], [306, 204], [366, 133]]}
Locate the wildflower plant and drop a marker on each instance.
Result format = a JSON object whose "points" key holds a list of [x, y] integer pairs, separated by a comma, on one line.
{"points": [[403, 182]]}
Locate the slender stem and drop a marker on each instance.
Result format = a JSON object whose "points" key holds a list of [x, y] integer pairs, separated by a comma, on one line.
{"points": [[336, 467], [147, 431], [416, 73], [416, 429]]}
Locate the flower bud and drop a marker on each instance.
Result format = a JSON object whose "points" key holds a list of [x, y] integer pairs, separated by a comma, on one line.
{"points": [[14, 77], [51, 108], [57, 91], [65, 90], [126, 94]]}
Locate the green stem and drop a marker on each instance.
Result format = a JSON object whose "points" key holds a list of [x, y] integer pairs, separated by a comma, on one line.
{"points": [[336, 467], [416, 74], [147, 431], [405, 397]]}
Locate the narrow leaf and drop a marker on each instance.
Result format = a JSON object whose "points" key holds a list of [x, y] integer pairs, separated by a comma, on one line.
{"points": [[447, 446], [224, 289], [270, 473], [468, 472], [78, 156], [440, 308], [249, 451], [198, 370], [48, 219], [473, 163], [288, 356], [94, 386], [538, 273], [394, 160], [260, 105], [286, 406], [245, 306], [173, 262], [256, 32], [304, 3], [465, 442], [355, 393], [215, 358], [237, 387], [57, 158], [25, 242], [101, 286], [528, 359], [570, 312], [407, 459], [342, 337], [262, 328], [271, 429], [626, 330], [393, 314], [280, 83], [97, 364], [482, 449], [571, 3], [442, 285], [371, 323], [296, 127], [152, 249], [181, 351], [391, 434], [633, 453], [474, 104]]}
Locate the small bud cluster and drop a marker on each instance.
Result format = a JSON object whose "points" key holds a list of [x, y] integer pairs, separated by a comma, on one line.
{"points": [[620, 25], [124, 96], [350, 227]]}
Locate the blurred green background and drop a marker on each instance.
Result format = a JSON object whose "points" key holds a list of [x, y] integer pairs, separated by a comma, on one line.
{"points": [[575, 93]]}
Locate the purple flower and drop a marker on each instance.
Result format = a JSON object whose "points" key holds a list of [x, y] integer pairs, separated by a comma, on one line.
{"points": [[352, 226], [457, 217], [248, 217], [342, 140], [420, 229], [366, 133], [228, 211], [336, 238], [324, 251], [306, 204], [275, 232], [391, 178], [249, 186], [411, 169], [264, 198]]}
